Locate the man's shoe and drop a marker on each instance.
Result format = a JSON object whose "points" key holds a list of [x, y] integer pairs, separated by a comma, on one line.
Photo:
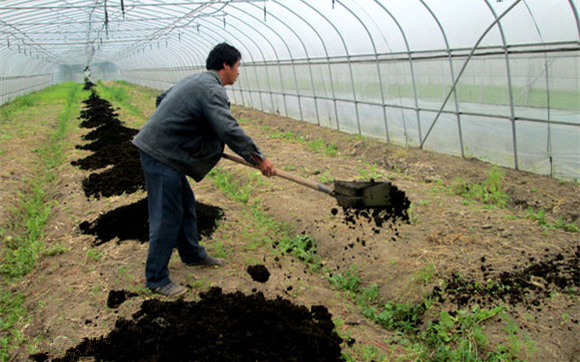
{"points": [[170, 290], [208, 261]]}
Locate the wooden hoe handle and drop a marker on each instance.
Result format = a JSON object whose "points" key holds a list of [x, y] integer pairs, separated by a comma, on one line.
{"points": [[297, 179]]}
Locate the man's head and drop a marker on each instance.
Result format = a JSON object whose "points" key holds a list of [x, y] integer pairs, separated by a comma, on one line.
{"points": [[225, 59]]}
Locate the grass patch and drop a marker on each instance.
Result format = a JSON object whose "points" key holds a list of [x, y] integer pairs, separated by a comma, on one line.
{"points": [[120, 93], [260, 228], [539, 216], [489, 192], [452, 336], [317, 145], [24, 234]]}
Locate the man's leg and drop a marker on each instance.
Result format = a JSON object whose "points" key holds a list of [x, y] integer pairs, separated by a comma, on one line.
{"points": [[165, 216], [188, 240]]}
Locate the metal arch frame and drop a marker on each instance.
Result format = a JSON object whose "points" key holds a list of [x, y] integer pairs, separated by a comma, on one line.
{"points": [[575, 12], [34, 81], [549, 118], [510, 87], [412, 68], [465, 66], [383, 100], [325, 52], [248, 52], [378, 69], [457, 113], [292, 60], [259, 91], [293, 68], [182, 55], [275, 54], [348, 57], [251, 56]]}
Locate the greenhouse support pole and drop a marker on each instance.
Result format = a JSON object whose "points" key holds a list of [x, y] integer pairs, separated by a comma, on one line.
{"points": [[378, 67], [348, 58], [277, 57], [465, 66], [377, 63], [325, 52], [412, 68], [510, 87], [457, 114], [309, 68]]}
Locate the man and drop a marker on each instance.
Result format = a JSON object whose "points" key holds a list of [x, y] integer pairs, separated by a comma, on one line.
{"points": [[186, 136]]}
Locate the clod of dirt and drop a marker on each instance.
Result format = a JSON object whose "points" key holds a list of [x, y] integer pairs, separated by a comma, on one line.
{"points": [[525, 285], [118, 297], [131, 222], [219, 327], [259, 273]]}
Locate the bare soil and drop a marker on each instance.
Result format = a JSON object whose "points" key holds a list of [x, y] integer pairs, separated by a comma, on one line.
{"points": [[86, 297]]}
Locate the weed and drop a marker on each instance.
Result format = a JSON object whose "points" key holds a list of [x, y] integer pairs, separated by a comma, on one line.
{"points": [[325, 177], [413, 217], [517, 347], [230, 185], [118, 93], [425, 275], [539, 216], [304, 248], [32, 210], [290, 167], [370, 173], [349, 282], [489, 191], [93, 254]]}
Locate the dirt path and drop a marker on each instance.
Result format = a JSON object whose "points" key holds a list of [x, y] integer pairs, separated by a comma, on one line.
{"points": [[456, 255]]}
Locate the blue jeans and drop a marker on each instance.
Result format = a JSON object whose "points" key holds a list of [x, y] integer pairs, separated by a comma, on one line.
{"points": [[172, 220]]}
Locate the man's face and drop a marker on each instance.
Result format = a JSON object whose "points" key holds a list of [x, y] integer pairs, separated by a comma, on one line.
{"points": [[230, 74]]}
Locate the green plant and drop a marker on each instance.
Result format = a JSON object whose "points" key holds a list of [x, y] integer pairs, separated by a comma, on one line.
{"points": [[489, 191], [424, 275], [370, 172], [539, 216], [25, 244], [518, 347], [303, 247], [404, 317], [325, 177], [230, 185], [459, 337], [349, 282], [413, 217], [93, 254]]}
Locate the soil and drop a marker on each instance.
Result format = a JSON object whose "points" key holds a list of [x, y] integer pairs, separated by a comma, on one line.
{"points": [[434, 246], [236, 327]]}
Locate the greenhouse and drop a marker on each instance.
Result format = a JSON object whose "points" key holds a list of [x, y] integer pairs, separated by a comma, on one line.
{"points": [[496, 80], [466, 113]]}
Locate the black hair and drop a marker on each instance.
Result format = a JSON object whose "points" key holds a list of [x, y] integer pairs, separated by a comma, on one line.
{"points": [[220, 54]]}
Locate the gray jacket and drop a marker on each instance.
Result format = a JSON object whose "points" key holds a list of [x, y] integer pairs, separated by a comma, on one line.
{"points": [[192, 124]]}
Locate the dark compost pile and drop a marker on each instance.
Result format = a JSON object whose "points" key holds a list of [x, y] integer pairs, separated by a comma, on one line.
{"points": [[219, 327]]}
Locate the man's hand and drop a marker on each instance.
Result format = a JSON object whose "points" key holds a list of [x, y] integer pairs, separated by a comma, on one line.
{"points": [[266, 166]]}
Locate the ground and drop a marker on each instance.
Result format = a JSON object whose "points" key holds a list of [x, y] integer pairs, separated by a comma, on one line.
{"points": [[452, 255]]}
